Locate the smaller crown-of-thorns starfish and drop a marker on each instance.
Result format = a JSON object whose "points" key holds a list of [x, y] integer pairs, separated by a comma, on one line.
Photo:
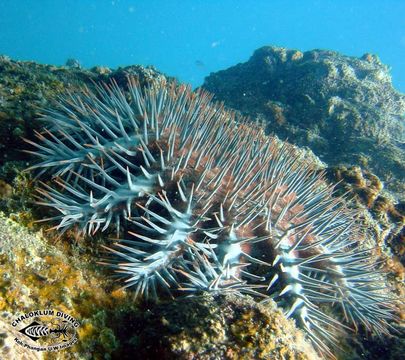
{"points": [[202, 201]]}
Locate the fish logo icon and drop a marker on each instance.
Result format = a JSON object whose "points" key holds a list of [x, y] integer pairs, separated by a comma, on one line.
{"points": [[36, 330]]}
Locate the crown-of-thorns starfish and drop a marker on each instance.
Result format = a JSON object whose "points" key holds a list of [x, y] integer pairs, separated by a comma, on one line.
{"points": [[203, 201]]}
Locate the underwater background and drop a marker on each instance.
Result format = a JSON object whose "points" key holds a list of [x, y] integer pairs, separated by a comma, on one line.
{"points": [[190, 39], [294, 133]]}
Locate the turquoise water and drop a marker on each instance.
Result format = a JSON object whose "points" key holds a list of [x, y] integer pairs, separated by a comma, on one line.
{"points": [[190, 39]]}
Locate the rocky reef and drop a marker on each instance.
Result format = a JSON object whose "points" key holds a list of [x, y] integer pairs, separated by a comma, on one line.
{"points": [[344, 108], [41, 270]]}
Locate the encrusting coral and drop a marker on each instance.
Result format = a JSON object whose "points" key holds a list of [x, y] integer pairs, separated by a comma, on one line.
{"points": [[202, 201]]}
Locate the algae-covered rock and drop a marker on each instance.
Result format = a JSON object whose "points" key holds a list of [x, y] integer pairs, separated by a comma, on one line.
{"points": [[373, 348], [36, 274], [344, 108], [389, 215], [216, 327]]}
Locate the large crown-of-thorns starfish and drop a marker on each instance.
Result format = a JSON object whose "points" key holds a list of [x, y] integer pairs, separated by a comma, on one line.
{"points": [[202, 202]]}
